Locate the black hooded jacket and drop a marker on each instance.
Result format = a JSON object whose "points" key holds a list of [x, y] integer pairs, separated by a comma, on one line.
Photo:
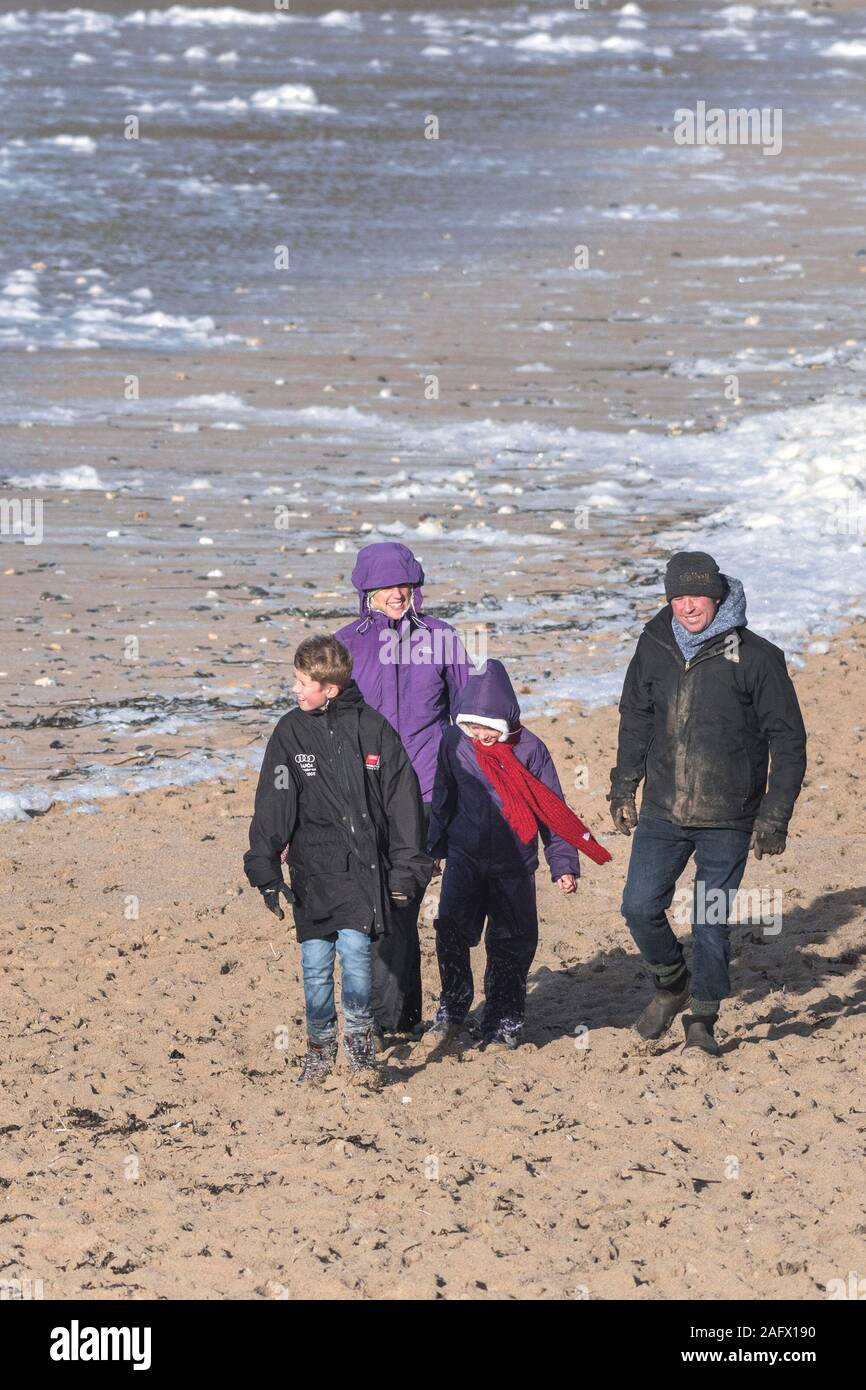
{"points": [[338, 788], [719, 739]]}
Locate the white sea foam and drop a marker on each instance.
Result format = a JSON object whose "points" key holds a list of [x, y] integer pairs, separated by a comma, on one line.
{"points": [[197, 188], [65, 22], [341, 19], [82, 144], [224, 16], [756, 360], [84, 478], [126, 781], [635, 212], [127, 324], [290, 96], [482, 534], [220, 400], [229, 104], [800, 465], [855, 48], [739, 14], [543, 42], [19, 298]]}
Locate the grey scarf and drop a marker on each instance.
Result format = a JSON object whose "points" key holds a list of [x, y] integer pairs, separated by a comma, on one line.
{"points": [[731, 613]]}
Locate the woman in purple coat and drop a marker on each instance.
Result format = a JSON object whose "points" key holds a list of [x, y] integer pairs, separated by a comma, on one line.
{"points": [[411, 668]]}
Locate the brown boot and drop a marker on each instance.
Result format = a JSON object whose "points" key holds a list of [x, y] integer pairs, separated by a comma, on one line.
{"points": [[699, 1033], [663, 1008]]}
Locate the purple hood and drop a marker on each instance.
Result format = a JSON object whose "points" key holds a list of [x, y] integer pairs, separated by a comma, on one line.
{"points": [[383, 565], [410, 669], [490, 695]]}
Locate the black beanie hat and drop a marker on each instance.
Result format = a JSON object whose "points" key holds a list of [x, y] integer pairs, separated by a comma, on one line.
{"points": [[693, 572]]}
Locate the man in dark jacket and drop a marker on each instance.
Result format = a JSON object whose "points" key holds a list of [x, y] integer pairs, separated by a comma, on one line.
{"points": [[338, 793], [709, 721]]}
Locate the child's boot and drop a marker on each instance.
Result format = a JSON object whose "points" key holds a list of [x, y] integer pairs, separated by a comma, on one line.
{"points": [[503, 1040], [361, 1052], [318, 1062], [440, 1036]]}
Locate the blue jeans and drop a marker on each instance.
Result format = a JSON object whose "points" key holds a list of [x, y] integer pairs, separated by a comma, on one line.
{"points": [[317, 957], [659, 853]]}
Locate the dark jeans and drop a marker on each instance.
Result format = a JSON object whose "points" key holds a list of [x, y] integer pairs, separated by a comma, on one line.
{"points": [[396, 967], [470, 895], [660, 851]]}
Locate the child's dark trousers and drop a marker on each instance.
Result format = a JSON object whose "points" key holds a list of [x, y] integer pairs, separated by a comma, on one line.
{"points": [[472, 894]]}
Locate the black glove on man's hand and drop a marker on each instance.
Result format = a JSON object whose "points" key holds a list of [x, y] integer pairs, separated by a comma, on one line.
{"points": [[768, 839], [623, 811], [271, 895]]}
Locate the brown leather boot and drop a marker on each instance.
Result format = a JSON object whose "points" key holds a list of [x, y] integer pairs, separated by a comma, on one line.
{"points": [[699, 1033], [663, 1008]]}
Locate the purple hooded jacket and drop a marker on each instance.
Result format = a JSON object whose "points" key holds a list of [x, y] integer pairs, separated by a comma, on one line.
{"points": [[466, 814], [411, 670]]}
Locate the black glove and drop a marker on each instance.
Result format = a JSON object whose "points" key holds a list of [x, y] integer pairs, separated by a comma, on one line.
{"points": [[768, 839], [623, 811], [399, 896], [271, 895]]}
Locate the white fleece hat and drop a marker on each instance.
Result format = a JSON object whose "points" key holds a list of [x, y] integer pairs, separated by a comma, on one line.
{"points": [[488, 723]]}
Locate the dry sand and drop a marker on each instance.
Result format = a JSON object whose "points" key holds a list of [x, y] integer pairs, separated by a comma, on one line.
{"points": [[155, 1144]]}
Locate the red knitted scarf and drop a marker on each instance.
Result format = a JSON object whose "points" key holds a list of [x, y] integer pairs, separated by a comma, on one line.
{"points": [[526, 801]]}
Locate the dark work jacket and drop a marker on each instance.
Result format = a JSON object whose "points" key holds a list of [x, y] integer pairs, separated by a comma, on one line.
{"points": [[338, 788], [719, 739]]}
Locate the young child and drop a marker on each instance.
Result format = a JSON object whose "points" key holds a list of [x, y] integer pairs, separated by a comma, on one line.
{"points": [[338, 791], [496, 787]]}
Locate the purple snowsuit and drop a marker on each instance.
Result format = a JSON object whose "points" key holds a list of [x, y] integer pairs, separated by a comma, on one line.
{"points": [[411, 670], [489, 873]]}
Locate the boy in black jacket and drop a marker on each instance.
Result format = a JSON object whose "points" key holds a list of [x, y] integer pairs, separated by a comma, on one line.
{"points": [[338, 793]]}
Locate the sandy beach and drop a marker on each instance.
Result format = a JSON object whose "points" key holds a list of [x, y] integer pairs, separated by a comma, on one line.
{"points": [[209, 444], [155, 1145]]}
